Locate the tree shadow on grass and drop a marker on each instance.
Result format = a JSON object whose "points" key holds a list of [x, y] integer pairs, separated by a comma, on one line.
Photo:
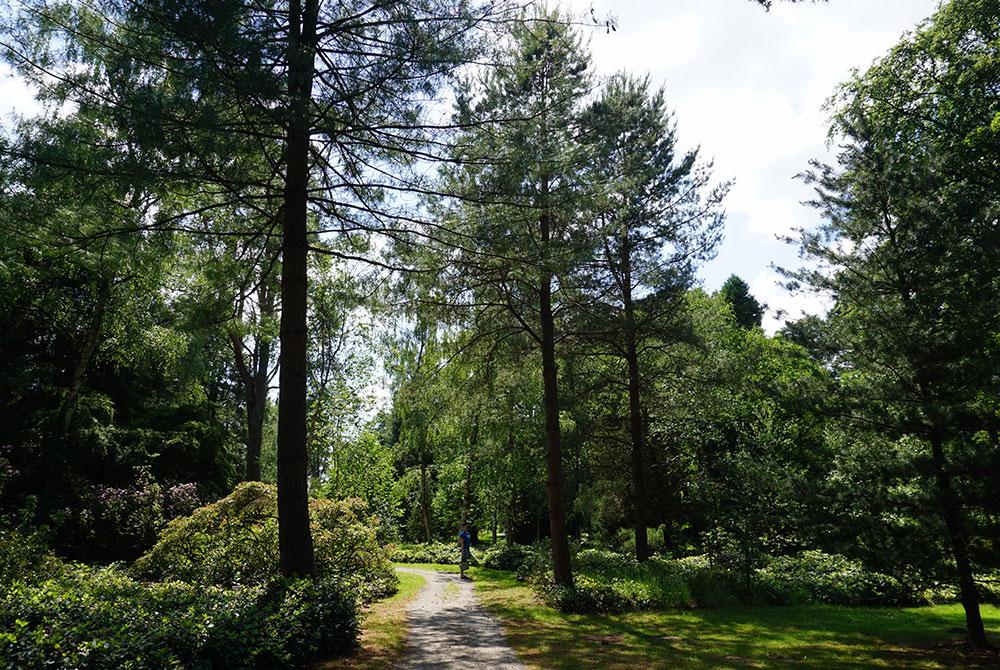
{"points": [[820, 637]]}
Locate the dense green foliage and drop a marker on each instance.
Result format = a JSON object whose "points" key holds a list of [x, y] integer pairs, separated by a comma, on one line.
{"points": [[235, 541], [86, 617], [609, 581], [435, 552]]}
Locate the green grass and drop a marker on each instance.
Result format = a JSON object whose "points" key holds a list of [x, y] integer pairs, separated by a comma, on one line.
{"points": [[383, 631], [813, 636]]}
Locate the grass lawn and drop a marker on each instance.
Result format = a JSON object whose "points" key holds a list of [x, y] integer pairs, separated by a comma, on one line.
{"points": [[383, 631], [815, 636]]}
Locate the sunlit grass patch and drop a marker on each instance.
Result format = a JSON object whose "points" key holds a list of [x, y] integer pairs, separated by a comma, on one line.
{"points": [[383, 631], [810, 636]]}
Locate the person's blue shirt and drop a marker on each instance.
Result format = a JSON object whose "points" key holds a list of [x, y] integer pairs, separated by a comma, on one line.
{"points": [[466, 539]]}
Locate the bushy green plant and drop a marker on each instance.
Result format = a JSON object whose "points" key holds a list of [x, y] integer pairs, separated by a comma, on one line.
{"points": [[603, 560], [814, 576], [24, 555], [624, 540], [88, 617], [710, 585], [435, 552], [609, 582], [507, 556], [235, 541], [586, 596]]}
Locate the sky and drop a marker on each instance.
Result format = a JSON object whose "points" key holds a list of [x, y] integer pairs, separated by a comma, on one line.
{"points": [[748, 86]]}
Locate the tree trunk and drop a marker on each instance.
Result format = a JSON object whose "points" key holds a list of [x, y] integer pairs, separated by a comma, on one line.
{"points": [[425, 504], [69, 404], [467, 488], [959, 547], [294, 538], [261, 382], [639, 502], [561, 569], [255, 386]]}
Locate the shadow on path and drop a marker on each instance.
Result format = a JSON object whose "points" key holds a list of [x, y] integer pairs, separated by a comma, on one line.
{"points": [[449, 629]]}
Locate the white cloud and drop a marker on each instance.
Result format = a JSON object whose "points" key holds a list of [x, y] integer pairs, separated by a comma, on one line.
{"points": [[749, 87], [16, 98], [782, 305]]}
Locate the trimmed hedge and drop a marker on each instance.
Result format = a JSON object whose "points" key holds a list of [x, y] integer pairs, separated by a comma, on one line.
{"points": [[101, 618]]}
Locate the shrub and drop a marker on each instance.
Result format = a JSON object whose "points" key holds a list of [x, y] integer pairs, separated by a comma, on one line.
{"points": [[435, 552], [129, 518], [624, 540], [814, 576], [610, 582], [586, 596], [24, 555], [100, 618], [507, 556], [709, 585], [235, 541]]}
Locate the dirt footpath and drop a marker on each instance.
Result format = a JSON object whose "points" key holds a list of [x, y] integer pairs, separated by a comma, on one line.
{"points": [[449, 629]]}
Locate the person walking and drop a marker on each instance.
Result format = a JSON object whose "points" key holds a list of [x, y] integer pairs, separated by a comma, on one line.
{"points": [[465, 542]]}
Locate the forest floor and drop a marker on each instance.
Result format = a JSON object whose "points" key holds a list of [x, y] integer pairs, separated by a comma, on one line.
{"points": [[817, 636]]}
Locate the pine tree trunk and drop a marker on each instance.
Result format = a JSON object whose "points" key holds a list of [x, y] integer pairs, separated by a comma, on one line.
{"points": [[639, 502], [294, 537], [561, 569], [256, 425], [959, 547]]}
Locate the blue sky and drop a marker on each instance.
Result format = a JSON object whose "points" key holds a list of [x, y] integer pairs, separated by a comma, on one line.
{"points": [[749, 86]]}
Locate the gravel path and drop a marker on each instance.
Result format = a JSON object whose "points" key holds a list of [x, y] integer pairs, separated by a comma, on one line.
{"points": [[449, 629]]}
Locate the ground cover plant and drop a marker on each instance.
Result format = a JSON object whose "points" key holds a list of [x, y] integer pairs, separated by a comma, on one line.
{"points": [[610, 581], [435, 552]]}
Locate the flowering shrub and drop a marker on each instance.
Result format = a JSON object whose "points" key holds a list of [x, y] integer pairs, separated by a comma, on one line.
{"points": [[181, 500], [130, 517]]}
